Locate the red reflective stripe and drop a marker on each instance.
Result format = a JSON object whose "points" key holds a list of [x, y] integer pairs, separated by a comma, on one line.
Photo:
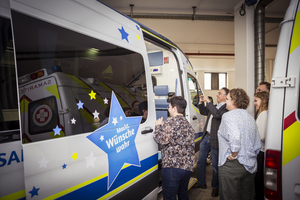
{"points": [[289, 120]]}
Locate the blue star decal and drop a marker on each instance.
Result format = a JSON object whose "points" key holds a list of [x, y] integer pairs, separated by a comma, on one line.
{"points": [[137, 27], [57, 130], [34, 191], [80, 105], [187, 62], [64, 166], [117, 140], [124, 34]]}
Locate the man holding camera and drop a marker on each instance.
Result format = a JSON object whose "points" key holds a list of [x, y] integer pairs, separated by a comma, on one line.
{"points": [[209, 140]]}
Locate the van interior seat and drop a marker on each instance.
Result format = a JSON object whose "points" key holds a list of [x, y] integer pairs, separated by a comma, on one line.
{"points": [[161, 102]]}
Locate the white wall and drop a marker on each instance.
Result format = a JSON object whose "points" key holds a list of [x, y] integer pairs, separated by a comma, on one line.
{"points": [[214, 65]]}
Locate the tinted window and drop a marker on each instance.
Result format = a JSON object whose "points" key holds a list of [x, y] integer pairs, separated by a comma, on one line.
{"points": [[9, 117], [71, 76]]}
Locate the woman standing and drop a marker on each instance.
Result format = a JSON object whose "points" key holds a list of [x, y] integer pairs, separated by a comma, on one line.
{"points": [[261, 102], [176, 137], [239, 144]]}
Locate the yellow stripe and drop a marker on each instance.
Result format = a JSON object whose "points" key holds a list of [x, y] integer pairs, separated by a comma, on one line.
{"points": [[291, 147], [53, 90], [159, 38], [195, 108], [126, 92], [296, 33], [129, 182], [71, 189], [79, 82], [76, 187], [121, 101], [16, 195]]}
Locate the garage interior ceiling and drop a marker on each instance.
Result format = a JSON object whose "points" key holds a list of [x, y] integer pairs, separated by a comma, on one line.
{"points": [[211, 31]]}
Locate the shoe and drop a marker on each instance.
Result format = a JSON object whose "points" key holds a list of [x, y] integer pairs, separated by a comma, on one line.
{"points": [[215, 192], [200, 186]]}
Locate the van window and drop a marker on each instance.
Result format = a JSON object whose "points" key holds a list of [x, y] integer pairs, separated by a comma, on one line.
{"points": [[195, 90], [9, 116], [71, 76]]}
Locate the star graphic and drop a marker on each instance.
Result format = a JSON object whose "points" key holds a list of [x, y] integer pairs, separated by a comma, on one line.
{"points": [[121, 118], [137, 27], [105, 101], [57, 130], [114, 121], [138, 37], [96, 114], [90, 160], [124, 34], [64, 166], [101, 138], [73, 120], [34, 191], [187, 61], [43, 163], [74, 156], [124, 151], [92, 95], [80, 105]]}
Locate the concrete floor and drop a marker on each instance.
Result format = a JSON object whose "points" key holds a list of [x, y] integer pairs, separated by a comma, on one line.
{"points": [[197, 193]]}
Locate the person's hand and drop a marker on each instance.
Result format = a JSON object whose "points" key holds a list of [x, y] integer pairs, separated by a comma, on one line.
{"points": [[201, 99], [159, 121], [206, 99]]}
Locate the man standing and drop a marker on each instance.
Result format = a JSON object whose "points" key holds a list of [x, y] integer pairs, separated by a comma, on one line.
{"points": [[263, 87], [210, 139]]}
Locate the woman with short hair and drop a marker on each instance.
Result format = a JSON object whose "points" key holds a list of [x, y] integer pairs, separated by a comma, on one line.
{"points": [[239, 144], [176, 137]]}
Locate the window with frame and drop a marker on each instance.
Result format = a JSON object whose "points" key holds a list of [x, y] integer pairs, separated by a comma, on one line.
{"points": [[215, 81], [83, 72]]}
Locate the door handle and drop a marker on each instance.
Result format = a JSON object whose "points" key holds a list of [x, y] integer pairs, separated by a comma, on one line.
{"points": [[194, 118], [147, 131]]}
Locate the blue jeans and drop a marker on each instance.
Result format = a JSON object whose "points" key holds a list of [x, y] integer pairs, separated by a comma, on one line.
{"points": [[201, 164], [175, 182]]}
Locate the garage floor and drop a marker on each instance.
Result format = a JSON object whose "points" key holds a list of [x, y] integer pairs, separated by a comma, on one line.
{"points": [[197, 193]]}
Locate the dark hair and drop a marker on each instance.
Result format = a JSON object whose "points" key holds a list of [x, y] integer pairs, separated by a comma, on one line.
{"points": [[268, 85], [126, 108], [133, 103], [240, 98], [143, 106], [264, 97], [179, 102], [225, 89]]}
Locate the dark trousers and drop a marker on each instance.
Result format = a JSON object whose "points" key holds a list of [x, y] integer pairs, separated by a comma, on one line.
{"points": [[259, 177], [175, 182], [235, 181]]}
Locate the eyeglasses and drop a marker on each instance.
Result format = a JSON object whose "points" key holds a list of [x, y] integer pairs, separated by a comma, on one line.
{"points": [[221, 93]]}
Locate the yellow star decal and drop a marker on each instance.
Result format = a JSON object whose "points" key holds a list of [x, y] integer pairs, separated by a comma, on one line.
{"points": [[74, 156], [138, 37], [93, 95]]}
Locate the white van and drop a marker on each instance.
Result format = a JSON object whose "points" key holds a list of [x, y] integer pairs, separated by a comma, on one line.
{"points": [[72, 59], [282, 155]]}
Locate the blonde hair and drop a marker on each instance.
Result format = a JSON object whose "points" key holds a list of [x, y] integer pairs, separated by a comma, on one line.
{"points": [[264, 97]]}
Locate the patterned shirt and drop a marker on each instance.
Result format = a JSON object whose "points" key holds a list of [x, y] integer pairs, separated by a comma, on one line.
{"points": [[238, 133], [176, 137]]}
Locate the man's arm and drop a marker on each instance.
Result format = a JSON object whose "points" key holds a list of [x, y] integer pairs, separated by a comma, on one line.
{"points": [[203, 110], [216, 113]]}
